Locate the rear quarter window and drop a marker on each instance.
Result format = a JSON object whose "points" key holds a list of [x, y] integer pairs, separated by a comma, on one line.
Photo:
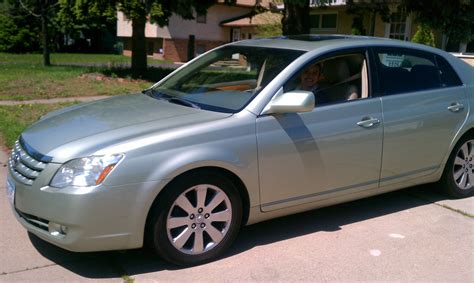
{"points": [[448, 76]]}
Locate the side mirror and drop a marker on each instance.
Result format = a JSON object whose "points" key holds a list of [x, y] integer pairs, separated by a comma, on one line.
{"points": [[290, 102]]}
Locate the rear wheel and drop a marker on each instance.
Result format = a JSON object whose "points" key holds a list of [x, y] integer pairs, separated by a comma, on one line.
{"points": [[458, 178], [196, 220]]}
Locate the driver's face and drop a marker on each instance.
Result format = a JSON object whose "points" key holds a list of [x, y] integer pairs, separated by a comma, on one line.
{"points": [[310, 77]]}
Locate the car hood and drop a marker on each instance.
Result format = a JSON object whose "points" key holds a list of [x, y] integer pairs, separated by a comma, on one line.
{"points": [[90, 126]]}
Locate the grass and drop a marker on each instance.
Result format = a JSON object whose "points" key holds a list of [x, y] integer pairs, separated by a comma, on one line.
{"points": [[24, 82], [15, 119], [22, 77], [72, 58]]}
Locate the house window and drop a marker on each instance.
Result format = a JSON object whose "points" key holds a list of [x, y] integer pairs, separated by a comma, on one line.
{"points": [[235, 34], [329, 21], [324, 22], [399, 27], [149, 49], [201, 19]]}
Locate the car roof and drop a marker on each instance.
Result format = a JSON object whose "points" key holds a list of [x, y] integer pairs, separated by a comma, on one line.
{"points": [[307, 42]]}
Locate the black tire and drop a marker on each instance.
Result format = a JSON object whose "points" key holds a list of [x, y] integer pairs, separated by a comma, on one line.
{"points": [[449, 184], [158, 234]]}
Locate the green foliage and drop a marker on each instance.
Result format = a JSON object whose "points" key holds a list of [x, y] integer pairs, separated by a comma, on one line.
{"points": [[91, 19], [424, 35], [18, 30], [360, 8], [455, 18], [269, 30], [159, 11]]}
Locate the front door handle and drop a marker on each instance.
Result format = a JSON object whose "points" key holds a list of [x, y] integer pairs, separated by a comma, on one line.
{"points": [[455, 107], [368, 122]]}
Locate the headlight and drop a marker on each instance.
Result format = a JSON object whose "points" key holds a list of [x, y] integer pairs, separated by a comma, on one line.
{"points": [[85, 172]]}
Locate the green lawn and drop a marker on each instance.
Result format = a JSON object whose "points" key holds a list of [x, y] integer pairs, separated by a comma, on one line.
{"points": [[22, 77], [15, 119], [27, 81], [74, 58]]}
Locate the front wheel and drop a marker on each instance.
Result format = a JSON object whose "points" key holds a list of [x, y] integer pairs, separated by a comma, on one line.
{"points": [[196, 220], [458, 178]]}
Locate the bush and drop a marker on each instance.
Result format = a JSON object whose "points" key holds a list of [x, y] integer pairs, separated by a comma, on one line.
{"points": [[424, 35]]}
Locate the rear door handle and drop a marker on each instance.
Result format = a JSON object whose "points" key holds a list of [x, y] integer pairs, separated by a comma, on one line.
{"points": [[455, 107], [368, 122]]}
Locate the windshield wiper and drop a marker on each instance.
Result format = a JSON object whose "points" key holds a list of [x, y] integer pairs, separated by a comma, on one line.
{"points": [[181, 101], [171, 99]]}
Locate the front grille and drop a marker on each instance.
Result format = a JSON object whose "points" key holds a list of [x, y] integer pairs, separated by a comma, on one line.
{"points": [[23, 167], [34, 220]]}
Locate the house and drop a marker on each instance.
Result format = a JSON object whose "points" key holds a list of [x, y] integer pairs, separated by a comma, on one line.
{"points": [[333, 18], [222, 24]]}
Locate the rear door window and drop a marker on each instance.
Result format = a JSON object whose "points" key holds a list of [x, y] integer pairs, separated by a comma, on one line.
{"points": [[402, 71]]}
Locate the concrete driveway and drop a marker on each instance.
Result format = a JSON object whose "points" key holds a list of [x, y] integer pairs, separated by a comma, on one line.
{"points": [[410, 235]]}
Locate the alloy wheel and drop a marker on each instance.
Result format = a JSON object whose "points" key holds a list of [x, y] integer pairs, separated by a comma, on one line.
{"points": [[463, 169], [199, 219]]}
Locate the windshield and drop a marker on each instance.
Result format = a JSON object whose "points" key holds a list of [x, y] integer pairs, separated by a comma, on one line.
{"points": [[225, 79]]}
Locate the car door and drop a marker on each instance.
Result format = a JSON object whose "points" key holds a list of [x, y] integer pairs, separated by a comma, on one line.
{"points": [[334, 149], [424, 106]]}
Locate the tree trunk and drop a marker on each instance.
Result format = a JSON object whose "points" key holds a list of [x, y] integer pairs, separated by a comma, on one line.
{"points": [[373, 17], [45, 37], [295, 18], [139, 63]]}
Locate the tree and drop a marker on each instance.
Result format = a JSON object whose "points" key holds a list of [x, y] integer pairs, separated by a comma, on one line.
{"points": [[18, 32], [87, 18], [359, 8], [42, 10], [295, 17], [455, 18], [158, 12]]}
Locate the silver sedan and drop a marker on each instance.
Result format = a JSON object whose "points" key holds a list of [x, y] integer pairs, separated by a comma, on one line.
{"points": [[246, 132]]}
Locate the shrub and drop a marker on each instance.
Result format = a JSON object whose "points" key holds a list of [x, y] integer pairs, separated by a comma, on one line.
{"points": [[424, 35]]}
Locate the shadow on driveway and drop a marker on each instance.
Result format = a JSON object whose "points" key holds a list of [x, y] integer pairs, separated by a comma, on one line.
{"points": [[119, 263]]}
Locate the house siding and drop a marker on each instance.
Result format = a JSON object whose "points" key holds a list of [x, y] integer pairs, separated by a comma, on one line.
{"points": [[171, 42], [177, 49]]}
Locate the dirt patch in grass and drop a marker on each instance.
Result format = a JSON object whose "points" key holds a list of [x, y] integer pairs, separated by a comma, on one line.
{"points": [[15, 119], [25, 82]]}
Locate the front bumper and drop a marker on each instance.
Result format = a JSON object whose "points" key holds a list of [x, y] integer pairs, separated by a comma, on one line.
{"points": [[96, 219]]}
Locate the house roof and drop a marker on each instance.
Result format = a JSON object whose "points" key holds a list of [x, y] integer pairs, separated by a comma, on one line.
{"points": [[252, 20]]}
